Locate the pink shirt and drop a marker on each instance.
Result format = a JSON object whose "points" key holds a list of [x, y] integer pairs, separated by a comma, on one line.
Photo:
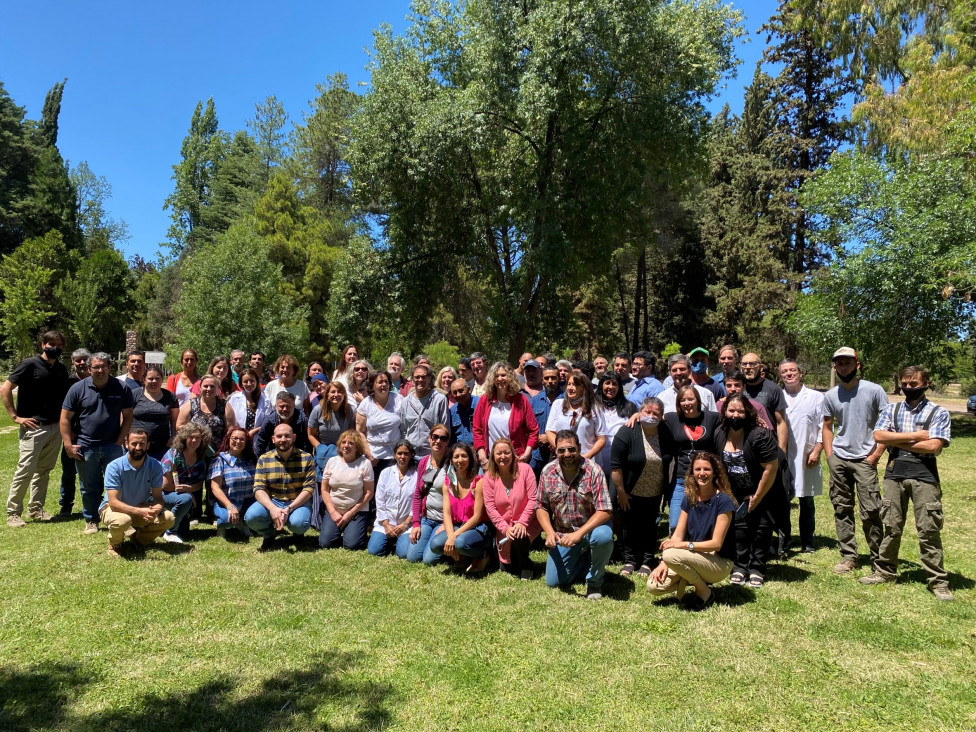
{"points": [[515, 507], [347, 481]]}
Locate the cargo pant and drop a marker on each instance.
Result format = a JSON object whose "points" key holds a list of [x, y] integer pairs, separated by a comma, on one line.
{"points": [[926, 500], [850, 478]]}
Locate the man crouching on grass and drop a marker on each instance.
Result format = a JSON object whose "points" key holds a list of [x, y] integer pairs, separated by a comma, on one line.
{"points": [[575, 511], [131, 482]]}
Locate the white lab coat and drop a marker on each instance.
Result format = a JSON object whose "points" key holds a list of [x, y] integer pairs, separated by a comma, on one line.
{"points": [[804, 411]]}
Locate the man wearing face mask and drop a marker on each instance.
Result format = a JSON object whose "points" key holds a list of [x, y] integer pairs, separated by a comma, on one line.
{"points": [[914, 433], [699, 373], [854, 406], [42, 382]]}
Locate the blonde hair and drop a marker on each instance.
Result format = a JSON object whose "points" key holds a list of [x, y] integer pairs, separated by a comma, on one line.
{"points": [[493, 470], [513, 382], [356, 438]]}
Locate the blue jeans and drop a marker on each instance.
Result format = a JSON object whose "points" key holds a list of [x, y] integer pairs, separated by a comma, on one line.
{"points": [[472, 543], [258, 519], [380, 544], [674, 506], [420, 550], [352, 536], [223, 516], [69, 468], [91, 471], [567, 565], [180, 504]]}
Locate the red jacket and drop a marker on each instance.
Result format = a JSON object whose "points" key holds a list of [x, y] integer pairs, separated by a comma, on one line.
{"points": [[523, 430]]}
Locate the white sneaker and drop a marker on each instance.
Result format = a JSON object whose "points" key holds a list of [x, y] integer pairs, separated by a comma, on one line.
{"points": [[172, 538]]}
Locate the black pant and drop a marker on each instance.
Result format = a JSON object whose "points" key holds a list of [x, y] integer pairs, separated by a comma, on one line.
{"points": [[807, 520], [752, 535], [519, 556], [640, 530]]}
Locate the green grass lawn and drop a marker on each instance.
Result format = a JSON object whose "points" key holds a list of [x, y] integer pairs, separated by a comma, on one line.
{"points": [[222, 637]]}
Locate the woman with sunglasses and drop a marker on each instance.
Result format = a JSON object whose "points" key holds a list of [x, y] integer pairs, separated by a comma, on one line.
{"points": [[427, 510]]}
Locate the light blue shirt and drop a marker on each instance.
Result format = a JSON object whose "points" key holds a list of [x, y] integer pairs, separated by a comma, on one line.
{"points": [[646, 387], [135, 485]]}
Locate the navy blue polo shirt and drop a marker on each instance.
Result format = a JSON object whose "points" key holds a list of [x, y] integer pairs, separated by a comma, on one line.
{"points": [[461, 419], [99, 411]]}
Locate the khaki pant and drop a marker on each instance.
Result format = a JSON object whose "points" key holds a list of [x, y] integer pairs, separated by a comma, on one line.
{"points": [[688, 568], [926, 500], [118, 523], [850, 478], [39, 450]]}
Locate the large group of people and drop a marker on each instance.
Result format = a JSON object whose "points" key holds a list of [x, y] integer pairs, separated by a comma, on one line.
{"points": [[475, 464]]}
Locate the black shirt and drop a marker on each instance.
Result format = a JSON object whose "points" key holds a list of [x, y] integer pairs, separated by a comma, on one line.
{"points": [[41, 387], [690, 436], [769, 395], [154, 416], [99, 411]]}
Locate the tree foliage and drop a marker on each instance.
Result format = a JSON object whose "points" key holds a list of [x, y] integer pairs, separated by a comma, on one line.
{"points": [[27, 278], [98, 301]]}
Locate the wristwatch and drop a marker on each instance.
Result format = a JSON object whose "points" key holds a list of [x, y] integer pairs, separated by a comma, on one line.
{"points": [[691, 546]]}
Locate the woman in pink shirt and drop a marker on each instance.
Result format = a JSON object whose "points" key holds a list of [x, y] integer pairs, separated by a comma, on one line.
{"points": [[465, 535], [511, 498], [347, 488]]}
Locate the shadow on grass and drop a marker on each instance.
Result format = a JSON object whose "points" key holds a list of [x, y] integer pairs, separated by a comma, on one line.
{"points": [[963, 425], [42, 698], [918, 574], [787, 573]]}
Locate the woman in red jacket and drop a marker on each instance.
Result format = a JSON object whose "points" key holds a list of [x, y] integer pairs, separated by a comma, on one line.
{"points": [[503, 411]]}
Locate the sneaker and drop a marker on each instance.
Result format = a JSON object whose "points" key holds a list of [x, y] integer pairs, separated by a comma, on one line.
{"points": [[942, 592], [593, 593], [172, 538], [808, 549], [526, 575], [41, 515], [876, 578], [15, 522], [91, 527], [114, 551], [845, 566]]}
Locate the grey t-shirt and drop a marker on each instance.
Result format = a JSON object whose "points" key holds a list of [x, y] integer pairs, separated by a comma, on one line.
{"points": [[329, 430], [418, 416], [855, 412]]}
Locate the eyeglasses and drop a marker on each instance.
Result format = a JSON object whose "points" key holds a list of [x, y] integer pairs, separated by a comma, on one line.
{"points": [[439, 438]]}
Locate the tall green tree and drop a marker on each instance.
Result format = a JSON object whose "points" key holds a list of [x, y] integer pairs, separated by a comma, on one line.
{"points": [[517, 137], [98, 229], [27, 279], [16, 163], [268, 130], [98, 301]]}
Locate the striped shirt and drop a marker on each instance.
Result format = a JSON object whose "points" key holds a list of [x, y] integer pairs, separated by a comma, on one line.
{"points": [[284, 478]]}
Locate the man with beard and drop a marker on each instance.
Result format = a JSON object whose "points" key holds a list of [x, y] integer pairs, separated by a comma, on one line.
{"points": [[422, 409], [915, 433], [285, 413], [854, 406], [575, 513], [134, 487], [542, 389], [769, 395], [679, 367]]}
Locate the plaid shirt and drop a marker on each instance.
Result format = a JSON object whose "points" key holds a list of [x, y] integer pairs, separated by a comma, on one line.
{"points": [[940, 424], [238, 476], [285, 479], [571, 505]]}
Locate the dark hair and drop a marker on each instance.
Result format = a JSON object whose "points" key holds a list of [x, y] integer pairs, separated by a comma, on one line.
{"points": [[736, 376], [677, 399], [586, 367], [752, 416], [157, 369], [257, 391], [464, 447], [719, 479], [648, 357], [407, 444], [550, 358], [465, 361], [134, 430], [371, 380], [248, 453], [622, 354], [620, 404], [51, 336], [567, 435], [909, 371], [309, 368], [135, 352], [227, 383], [584, 386], [326, 405], [257, 353]]}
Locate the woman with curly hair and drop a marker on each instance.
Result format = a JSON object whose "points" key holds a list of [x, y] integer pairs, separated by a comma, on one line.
{"points": [[504, 411], [701, 550], [185, 468]]}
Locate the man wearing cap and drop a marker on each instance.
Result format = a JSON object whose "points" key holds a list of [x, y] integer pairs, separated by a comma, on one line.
{"points": [[853, 406], [699, 373], [646, 384], [541, 396], [914, 433]]}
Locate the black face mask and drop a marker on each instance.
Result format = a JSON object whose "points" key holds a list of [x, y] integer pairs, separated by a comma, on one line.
{"points": [[53, 352], [736, 423], [849, 378], [912, 394]]}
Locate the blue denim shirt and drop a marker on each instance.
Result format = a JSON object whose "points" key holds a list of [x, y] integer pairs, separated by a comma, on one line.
{"points": [[646, 387], [461, 419], [541, 404]]}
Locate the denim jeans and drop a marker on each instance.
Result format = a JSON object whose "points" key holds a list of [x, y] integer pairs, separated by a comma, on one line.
{"points": [[420, 550], [674, 507], [567, 565], [223, 515], [180, 504], [69, 469], [91, 471], [258, 519], [473, 543], [352, 536], [381, 545]]}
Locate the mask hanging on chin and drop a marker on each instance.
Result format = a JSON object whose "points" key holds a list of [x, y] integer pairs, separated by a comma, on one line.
{"points": [[849, 378]]}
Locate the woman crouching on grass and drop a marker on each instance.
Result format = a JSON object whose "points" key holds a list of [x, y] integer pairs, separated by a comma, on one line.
{"points": [[701, 550], [511, 498], [232, 481], [465, 535]]}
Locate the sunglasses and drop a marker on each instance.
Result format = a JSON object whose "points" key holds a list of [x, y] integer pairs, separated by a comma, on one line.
{"points": [[439, 438]]}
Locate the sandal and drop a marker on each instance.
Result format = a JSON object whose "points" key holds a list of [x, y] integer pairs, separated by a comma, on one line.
{"points": [[627, 570], [738, 578], [755, 581], [644, 571], [477, 567]]}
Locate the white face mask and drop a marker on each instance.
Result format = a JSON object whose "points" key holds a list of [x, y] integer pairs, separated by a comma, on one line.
{"points": [[649, 420]]}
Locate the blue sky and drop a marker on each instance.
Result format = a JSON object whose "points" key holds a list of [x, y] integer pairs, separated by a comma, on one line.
{"points": [[136, 70]]}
